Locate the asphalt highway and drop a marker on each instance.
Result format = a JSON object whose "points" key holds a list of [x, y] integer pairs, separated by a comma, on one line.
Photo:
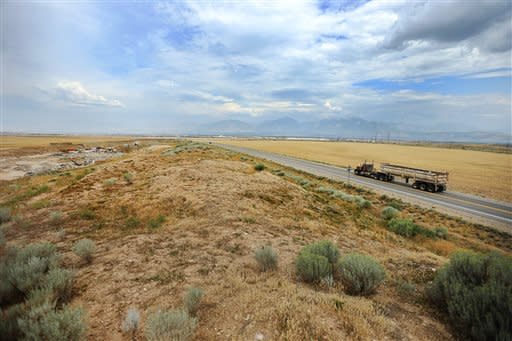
{"points": [[488, 209]]}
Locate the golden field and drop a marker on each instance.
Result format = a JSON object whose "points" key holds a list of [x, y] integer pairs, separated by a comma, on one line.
{"points": [[480, 173]]}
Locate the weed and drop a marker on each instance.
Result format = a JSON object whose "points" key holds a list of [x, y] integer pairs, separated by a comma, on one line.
{"points": [[192, 300], [109, 182], [55, 217], [360, 274], [128, 177], [174, 325], [259, 167], [405, 288], [266, 257], [87, 214], [324, 248], [389, 213], [5, 215], [156, 222], [132, 222], [84, 248], [441, 232], [61, 234]]}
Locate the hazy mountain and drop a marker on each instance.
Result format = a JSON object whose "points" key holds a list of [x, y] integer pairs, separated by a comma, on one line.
{"points": [[351, 127]]}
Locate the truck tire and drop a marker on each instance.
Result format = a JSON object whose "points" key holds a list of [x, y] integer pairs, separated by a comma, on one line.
{"points": [[431, 188], [423, 186]]}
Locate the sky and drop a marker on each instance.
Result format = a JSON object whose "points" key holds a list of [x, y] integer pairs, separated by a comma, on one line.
{"points": [[169, 67]]}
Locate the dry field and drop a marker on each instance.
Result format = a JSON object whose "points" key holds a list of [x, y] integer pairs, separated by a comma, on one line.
{"points": [[217, 211], [480, 173]]}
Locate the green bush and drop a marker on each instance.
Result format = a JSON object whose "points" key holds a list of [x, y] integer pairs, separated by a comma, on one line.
{"points": [[60, 282], [403, 227], [441, 232], [360, 274], [266, 257], [324, 248], [84, 248], [259, 167], [362, 202], [311, 267], [5, 214], [192, 300], [43, 322], [109, 182], [174, 325], [389, 213], [476, 292]]}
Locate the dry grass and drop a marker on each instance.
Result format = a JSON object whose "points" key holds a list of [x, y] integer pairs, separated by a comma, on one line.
{"points": [[218, 209], [481, 173]]}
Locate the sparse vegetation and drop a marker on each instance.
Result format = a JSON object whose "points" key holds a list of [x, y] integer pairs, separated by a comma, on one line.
{"points": [[441, 232], [259, 167], [407, 228], [84, 248], [131, 322], [266, 257], [360, 274], [87, 214], [109, 182], [55, 217], [389, 213], [33, 288], [174, 325], [156, 222], [311, 267], [475, 290], [128, 177], [5, 215], [192, 300]]}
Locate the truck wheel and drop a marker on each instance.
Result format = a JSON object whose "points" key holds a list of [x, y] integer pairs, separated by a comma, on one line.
{"points": [[431, 188], [423, 187]]}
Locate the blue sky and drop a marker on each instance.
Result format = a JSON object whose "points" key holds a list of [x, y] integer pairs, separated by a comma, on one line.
{"points": [[169, 67]]}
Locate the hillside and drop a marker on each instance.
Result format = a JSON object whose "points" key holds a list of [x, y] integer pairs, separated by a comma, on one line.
{"points": [[190, 214]]}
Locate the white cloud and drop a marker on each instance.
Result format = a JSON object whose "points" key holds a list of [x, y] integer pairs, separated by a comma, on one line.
{"points": [[75, 93]]}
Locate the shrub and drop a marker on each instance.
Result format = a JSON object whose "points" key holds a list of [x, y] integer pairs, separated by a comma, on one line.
{"points": [[131, 322], [60, 282], [389, 213], [3, 241], [311, 267], [362, 202], [132, 222], [43, 322], [5, 214], [84, 248], [266, 257], [87, 214], [128, 177], [259, 167], [192, 300], [324, 248], [55, 217], [156, 222], [441, 232], [398, 205], [25, 268], [61, 234], [476, 292], [109, 182], [403, 227], [174, 325], [360, 274]]}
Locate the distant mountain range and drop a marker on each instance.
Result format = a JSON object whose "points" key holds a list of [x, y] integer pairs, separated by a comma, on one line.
{"points": [[346, 128]]}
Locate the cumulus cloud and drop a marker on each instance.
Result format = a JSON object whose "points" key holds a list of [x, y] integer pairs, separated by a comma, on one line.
{"points": [[75, 93], [449, 21]]}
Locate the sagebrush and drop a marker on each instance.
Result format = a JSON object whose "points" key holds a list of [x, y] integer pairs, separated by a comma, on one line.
{"points": [[360, 274], [266, 257], [475, 290], [176, 325]]}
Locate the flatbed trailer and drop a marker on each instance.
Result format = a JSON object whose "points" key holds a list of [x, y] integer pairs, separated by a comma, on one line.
{"points": [[423, 179]]}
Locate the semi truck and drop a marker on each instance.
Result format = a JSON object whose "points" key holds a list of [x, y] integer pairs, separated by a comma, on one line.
{"points": [[423, 179]]}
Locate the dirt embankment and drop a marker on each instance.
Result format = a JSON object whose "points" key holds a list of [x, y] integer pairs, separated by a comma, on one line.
{"points": [[218, 210]]}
